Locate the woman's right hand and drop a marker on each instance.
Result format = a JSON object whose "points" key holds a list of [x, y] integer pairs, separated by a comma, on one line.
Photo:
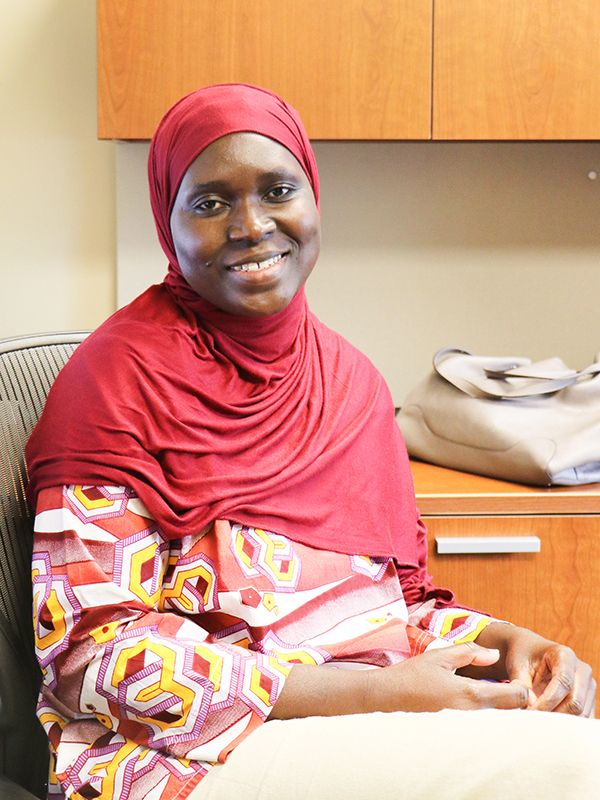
{"points": [[428, 682]]}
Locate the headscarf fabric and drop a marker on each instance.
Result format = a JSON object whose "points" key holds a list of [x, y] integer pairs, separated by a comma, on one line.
{"points": [[275, 422]]}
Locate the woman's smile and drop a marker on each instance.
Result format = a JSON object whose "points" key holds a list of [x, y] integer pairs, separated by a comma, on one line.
{"points": [[258, 265], [245, 225]]}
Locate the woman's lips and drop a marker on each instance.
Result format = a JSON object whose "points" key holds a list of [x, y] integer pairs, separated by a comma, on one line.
{"points": [[258, 266]]}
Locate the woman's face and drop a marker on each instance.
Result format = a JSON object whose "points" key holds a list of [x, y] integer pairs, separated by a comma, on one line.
{"points": [[245, 225]]}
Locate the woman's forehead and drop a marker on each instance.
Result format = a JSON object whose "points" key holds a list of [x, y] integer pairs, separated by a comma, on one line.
{"points": [[227, 156]]}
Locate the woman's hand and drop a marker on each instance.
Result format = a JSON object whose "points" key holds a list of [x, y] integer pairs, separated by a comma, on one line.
{"points": [[556, 679], [426, 682]]}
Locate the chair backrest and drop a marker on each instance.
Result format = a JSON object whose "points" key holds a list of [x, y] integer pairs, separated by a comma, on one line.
{"points": [[28, 366]]}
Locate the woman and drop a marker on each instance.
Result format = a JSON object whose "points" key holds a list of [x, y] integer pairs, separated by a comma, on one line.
{"points": [[224, 507]]}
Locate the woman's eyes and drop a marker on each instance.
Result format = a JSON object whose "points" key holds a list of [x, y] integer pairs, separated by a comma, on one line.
{"points": [[281, 192], [213, 205], [209, 205]]}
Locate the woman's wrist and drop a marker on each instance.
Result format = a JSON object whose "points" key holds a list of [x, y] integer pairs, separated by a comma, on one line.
{"points": [[506, 638], [495, 636], [319, 691]]}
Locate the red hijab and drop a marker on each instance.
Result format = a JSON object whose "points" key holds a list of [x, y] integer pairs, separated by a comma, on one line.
{"points": [[273, 422]]}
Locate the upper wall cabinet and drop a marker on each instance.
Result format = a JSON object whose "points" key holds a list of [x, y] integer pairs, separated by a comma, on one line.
{"points": [[362, 69], [516, 69], [354, 69]]}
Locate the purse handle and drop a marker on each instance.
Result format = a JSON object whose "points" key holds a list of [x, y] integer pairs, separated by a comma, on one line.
{"points": [[492, 377]]}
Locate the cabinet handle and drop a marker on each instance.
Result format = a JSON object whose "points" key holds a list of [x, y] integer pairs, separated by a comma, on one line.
{"points": [[488, 544]]}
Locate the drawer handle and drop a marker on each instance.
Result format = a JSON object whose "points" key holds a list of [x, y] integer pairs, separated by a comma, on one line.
{"points": [[488, 544]]}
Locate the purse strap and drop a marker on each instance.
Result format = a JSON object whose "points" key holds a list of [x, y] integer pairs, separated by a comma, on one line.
{"points": [[503, 378]]}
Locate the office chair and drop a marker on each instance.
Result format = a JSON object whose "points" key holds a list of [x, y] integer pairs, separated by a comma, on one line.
{"points": [[28, 366]]}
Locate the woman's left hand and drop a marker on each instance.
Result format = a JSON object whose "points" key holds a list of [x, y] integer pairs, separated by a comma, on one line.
{"points": [[557, 680]]}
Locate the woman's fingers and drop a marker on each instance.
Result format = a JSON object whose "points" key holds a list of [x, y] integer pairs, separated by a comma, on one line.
{"points": [[474, 693], [568, 684], [581, 701], [490, 694], [465, 655], [590, 706]]}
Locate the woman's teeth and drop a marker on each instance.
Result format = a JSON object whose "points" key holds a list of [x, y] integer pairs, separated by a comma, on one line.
{"points": [[255, 266]]}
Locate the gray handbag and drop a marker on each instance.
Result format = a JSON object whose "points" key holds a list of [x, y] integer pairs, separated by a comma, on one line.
{"points": [[535, 423]]}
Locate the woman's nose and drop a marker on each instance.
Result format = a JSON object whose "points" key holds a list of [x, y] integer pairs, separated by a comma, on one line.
{"points": [[250, 223]]}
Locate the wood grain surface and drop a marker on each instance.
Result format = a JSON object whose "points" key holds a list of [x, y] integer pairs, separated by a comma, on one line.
{"points": [[443, 492], [516, 69], [354, 69]]}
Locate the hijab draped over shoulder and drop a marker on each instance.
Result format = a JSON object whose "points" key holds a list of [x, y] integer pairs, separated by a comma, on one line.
{"points": [[275, 422]]}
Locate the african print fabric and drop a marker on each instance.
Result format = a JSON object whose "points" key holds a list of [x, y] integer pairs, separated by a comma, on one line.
{"points": [[160, 656]]}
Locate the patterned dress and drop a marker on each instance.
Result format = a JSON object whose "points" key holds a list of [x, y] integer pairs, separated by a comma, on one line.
{"points": [[160, 656]]}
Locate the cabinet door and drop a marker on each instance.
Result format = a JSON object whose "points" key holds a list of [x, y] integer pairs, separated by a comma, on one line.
{"points": [[354, 69], [555, 592], [516, 69]]}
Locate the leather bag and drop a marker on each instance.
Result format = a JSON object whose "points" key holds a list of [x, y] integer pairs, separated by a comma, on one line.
{"points": [[534, 423]]}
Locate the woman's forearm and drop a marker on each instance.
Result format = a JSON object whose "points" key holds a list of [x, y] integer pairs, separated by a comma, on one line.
{"points": [[426, 682], [311, 691]]}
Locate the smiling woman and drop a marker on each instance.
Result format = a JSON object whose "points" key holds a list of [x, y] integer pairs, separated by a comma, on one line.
{"points": [[245, 225], [226, 532]]}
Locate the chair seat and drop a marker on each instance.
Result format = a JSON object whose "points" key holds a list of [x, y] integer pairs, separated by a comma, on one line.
{"points": [[11, 791]]}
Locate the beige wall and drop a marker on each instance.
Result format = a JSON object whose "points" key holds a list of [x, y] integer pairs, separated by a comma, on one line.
{"points": [[57, 227], [493, 246]]}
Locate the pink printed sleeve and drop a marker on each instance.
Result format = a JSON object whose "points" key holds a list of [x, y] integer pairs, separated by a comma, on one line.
{"points": [[108, 651], [433, 608]]}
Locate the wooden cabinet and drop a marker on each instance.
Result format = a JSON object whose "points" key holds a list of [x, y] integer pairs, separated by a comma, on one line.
{"points": [[555, 591], [354, 69], [516, 69], [361, 69]]}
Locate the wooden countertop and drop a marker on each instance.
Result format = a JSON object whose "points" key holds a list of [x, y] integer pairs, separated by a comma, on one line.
{"points": [[447, 492]]}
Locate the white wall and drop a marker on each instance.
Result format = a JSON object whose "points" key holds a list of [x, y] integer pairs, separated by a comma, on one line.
{"points": [[57, 222], [493, 246]]}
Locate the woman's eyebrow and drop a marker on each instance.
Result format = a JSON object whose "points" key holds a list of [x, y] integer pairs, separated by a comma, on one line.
{"points": [[279, 175], [209, 186], [224, 185]]}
